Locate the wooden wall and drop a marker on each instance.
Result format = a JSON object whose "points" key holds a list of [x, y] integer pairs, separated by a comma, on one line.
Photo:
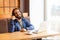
{"points": [[4, 16], [6, 6], [26, 6]]}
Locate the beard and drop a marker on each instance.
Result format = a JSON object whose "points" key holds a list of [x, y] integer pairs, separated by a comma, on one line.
{"points": [[18, 17]]}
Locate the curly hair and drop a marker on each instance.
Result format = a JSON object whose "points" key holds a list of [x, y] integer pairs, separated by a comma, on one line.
{"points": [[13, 14]]}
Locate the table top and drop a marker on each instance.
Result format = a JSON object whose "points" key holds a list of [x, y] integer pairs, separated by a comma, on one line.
{"points": [[23, 35]]}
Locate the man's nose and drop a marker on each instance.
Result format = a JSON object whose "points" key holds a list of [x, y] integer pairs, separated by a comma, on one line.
{"points": [[18, 14]]}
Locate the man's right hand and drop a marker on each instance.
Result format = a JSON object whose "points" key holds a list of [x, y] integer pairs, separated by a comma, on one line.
{"points": [[23, 30]]}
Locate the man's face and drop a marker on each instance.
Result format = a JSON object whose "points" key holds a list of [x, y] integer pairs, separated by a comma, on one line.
{"points": [[17, 14]]}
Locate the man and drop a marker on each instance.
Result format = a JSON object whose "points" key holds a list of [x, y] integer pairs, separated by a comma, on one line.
{"points": [[18, 22]]}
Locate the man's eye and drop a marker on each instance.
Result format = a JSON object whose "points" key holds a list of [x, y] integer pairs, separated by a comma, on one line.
{"points": [[16, 13]]}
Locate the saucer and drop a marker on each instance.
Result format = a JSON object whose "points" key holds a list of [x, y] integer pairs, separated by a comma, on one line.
{"points": [[29, 32]]}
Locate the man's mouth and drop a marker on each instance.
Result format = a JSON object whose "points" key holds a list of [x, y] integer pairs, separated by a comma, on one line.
{"points": [[18, 17]]}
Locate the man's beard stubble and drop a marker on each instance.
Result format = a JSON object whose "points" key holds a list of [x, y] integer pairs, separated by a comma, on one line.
{"points": [[18, 17]]}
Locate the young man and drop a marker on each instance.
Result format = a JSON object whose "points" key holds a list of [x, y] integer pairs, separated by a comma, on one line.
{"points": [[18, 22]]}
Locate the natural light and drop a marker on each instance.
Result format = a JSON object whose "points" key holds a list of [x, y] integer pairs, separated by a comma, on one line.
{"points": [[51, 14]]}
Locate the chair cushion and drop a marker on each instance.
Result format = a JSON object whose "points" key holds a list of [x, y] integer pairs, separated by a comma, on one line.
{"points": [[3, 25]]}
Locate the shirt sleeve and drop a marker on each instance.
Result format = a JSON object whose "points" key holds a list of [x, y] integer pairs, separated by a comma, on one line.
{"points": [[12, 26], [29, 26]]}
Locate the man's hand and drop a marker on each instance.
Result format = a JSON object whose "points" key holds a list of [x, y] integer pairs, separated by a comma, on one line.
{"points": [[23, 30], [13, 17]]}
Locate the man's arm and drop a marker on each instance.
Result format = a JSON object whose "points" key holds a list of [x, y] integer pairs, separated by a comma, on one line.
{"points": [[29, 26], [12, 26]]}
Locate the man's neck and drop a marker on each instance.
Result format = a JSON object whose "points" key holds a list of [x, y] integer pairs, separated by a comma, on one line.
{"points": [[19, 20]]}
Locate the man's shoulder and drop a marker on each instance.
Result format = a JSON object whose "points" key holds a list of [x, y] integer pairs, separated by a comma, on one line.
{"points": [[23, 18], [15, 20]]}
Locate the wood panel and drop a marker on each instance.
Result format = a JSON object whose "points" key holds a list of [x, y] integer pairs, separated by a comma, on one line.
{"points": [[6, 6], [1, 11], [26, 6], [1, 3], [6, 3], [10, 10], [16, 3], [6, 11], [12, 3], [4, 16]]}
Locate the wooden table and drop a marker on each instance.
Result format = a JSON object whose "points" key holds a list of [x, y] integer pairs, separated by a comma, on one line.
{"points": [[23, 35]]}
